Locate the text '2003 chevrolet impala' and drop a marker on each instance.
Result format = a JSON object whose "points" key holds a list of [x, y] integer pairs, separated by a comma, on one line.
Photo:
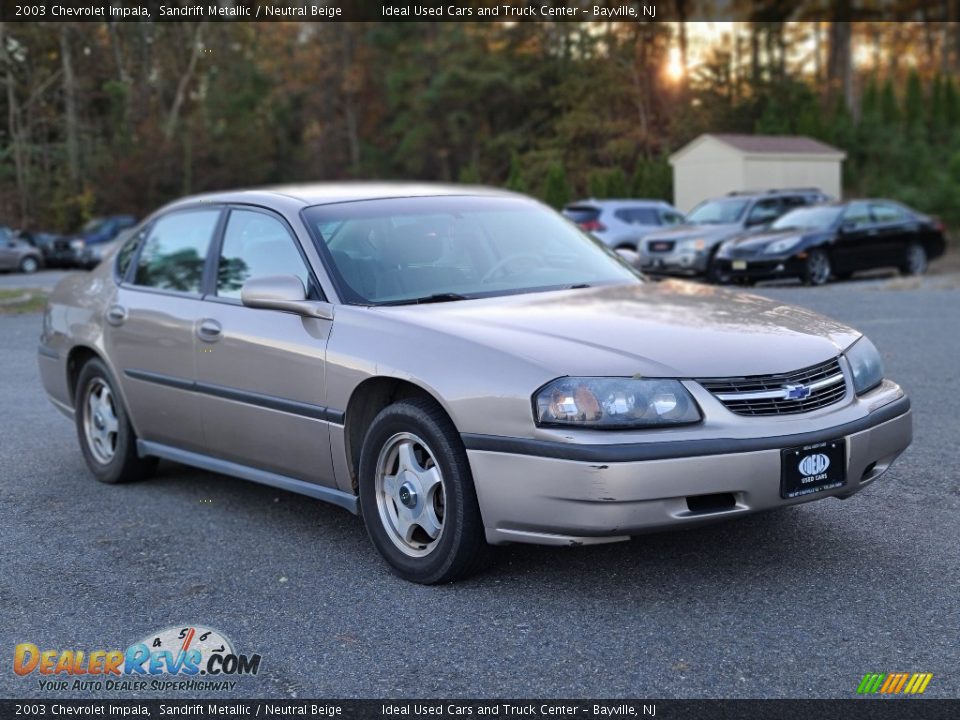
{"points": [[461, 367]]}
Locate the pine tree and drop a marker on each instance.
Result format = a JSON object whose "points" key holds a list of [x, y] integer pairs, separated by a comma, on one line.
{"points": [[597, 184], [616, 184], [556, 190], [913, 107], [951, 104], [469, 175], [638, 181], [889, 110], [515, 180]]}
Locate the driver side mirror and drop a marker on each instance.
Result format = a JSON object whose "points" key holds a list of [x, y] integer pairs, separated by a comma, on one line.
{"points": [[283, 292], [848, 226]]}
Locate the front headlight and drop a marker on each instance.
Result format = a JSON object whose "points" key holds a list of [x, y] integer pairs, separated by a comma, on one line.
{"points": [[781, 246], [614, 403], [865, 364], [695, 245]]}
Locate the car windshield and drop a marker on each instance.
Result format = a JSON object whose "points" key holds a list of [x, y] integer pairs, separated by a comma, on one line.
{"points": [[435, 249], [811, 217], [93, 225], [717, 212]]}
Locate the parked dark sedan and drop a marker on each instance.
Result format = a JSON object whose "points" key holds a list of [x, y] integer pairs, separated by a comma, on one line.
{"points": [[834, 240], [55, 248]]}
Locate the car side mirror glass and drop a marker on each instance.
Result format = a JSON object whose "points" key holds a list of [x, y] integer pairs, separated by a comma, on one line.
{"points": [[282, 292]]}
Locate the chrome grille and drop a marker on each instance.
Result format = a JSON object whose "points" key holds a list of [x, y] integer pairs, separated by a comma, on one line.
{"points": [[780, 394], [660, 245]]}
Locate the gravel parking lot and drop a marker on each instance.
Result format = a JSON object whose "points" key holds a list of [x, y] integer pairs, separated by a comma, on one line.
{"points": [[799, 603]]}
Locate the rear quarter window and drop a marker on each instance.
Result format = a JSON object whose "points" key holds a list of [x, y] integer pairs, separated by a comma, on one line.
{"points": [[581, 213]]}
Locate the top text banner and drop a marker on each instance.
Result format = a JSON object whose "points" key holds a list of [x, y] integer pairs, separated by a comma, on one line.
{"points": [[424, 10]]}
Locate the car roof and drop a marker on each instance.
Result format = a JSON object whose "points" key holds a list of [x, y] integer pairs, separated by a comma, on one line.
{"points": [[327, 193], [640, 202]]}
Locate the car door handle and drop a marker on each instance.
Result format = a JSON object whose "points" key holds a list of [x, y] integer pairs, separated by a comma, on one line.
{"points": [[209, 330], [116, 315]]}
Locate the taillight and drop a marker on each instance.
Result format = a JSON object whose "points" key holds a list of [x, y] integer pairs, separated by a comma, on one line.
{"points": [[593, 226], [938, 225]]}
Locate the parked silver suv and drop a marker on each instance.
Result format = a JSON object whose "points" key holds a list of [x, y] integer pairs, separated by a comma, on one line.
{"points": [[689, 249], [622, 224]]}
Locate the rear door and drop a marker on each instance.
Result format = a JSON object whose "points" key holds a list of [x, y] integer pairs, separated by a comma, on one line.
{"points": [[150, 327], [261, 373]]}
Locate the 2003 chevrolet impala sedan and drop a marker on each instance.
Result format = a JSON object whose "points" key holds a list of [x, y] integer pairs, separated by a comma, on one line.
{"points": [[460, 366]]}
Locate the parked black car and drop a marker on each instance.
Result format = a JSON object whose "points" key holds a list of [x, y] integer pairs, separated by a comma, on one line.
{"points": [[834, 240], [55, 248], [689, 249]]}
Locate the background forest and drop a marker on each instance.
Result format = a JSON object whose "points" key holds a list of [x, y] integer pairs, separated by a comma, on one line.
{"points": [[121, 117]]}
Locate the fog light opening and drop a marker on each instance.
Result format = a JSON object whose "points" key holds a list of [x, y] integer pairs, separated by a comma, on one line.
{"points": [[716, 502]]}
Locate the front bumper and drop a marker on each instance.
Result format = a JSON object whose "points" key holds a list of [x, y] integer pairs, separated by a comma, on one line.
{"points": [[760, 267], [578, 497], [675, 262]]}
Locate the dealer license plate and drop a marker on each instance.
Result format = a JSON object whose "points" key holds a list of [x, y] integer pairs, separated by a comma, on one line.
{"points": [[739, 264], [812, 468]]}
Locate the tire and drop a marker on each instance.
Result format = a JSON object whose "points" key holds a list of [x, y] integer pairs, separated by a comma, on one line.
{"points": [[915, 260], [425, 521], [714, 275], [110, 455], [817, 269], [29, 265]]}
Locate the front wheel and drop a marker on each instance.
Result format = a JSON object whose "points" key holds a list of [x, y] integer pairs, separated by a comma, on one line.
{"points": [[417, 496], [817, 269], [915, 260]]}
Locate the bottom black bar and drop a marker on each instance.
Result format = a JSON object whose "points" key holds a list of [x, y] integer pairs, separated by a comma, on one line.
{"points": [[892, 708]]}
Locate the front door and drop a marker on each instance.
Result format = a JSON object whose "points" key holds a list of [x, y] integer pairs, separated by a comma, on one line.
{"points": [[260, 373], [150, 326], [858, 243]]}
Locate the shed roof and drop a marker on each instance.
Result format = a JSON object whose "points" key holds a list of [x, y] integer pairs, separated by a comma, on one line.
{"points": [[766, 145]]}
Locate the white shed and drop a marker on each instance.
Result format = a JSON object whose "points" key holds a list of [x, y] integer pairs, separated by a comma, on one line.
{"points": [[714, 165]]}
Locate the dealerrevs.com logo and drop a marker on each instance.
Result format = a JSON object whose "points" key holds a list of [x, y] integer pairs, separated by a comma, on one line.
{"points": [[179, 658]]}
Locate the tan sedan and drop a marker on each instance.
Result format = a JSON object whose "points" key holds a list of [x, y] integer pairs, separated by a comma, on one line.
{"points": [[460, 366]]}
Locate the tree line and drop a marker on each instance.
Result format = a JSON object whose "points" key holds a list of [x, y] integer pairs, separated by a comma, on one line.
{"points": [[120, 117]]}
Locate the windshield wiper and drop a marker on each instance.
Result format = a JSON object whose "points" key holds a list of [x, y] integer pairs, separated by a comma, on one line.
{"points": [[435, 298]]}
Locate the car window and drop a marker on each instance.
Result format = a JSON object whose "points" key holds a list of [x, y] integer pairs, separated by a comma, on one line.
{"points": [[857, 215], [126, 252], [581, 213], [764, 211], [256, 244], [637, 216], [175, 250], [795, 201], [668, 217], [718, 212], [887, 213]]}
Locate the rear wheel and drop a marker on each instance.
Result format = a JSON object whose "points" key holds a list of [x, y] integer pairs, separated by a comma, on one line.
{"points": [[107, 439], [29, 265], [915, 260], [817, 268], [417, 495]]}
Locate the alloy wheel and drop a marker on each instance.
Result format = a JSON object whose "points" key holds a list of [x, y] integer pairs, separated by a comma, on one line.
{"points": [[410, 494], [100, 424], [818, 268]]}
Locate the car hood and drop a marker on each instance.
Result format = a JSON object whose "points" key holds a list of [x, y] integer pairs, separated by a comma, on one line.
{"points": [[667, 329], [686, 232], [755, 241]]}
